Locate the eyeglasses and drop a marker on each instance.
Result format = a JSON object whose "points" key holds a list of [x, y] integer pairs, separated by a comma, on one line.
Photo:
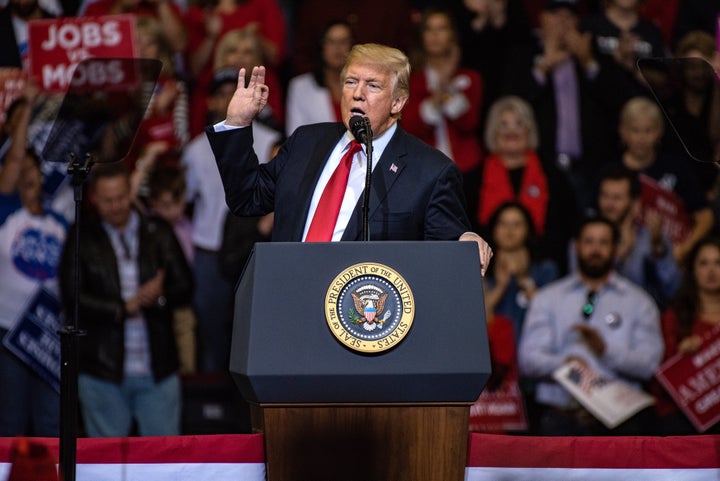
{"points": [[589, 306]]}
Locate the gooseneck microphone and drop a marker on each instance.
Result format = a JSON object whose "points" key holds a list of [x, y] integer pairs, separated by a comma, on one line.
{"points": [[361, 130]]}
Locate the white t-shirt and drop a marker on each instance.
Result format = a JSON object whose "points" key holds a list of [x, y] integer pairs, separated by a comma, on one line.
{"points": [[205, 188], [30, 249], [206, 191]]}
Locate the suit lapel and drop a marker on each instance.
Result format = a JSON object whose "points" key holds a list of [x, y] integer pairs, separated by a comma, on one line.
{"points": [[386, 172], [315, 164]]}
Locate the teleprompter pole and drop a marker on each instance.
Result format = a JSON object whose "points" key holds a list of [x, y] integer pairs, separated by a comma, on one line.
{"points": [[69, 334]]}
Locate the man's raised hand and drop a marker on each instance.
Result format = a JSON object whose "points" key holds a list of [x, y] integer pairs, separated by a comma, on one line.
{"points": [[247, 101]]}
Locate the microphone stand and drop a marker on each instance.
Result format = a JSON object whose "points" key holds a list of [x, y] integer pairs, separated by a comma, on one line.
{"points": [[366, 133], [366, 191]]}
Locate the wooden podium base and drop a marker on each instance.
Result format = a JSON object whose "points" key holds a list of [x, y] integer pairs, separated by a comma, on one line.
{"points": [[363, 442]]}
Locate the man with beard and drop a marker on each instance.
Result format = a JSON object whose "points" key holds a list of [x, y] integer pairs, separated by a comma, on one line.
{"points": [[644, 253], [596, 317], [14, 31]]}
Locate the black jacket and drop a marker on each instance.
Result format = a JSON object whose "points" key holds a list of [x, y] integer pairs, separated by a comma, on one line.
{"points": [[102, 309]]}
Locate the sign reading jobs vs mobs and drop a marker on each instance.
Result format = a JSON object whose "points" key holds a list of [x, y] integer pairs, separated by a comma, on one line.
{"points": [[58, 45]]}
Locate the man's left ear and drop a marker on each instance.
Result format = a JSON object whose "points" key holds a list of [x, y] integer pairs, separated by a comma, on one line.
{"points": [[398, 105]]}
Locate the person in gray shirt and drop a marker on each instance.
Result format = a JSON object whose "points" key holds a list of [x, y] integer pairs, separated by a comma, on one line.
{"points": [[594, 316]]}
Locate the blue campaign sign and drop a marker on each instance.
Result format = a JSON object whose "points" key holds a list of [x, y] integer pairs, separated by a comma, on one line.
{"points": [[35, 340]]}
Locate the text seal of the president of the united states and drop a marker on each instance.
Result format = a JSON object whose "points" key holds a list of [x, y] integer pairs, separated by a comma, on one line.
{"points": [[369, 307]]}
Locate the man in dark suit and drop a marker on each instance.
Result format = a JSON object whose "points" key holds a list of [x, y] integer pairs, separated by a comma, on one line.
{"points": [[416, 190]]}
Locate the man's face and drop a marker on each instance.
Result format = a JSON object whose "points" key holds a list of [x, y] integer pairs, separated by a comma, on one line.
{"points": [[368, 91], [112, 200], [614, 201], [595, 250], [557, 23], [641, 135]]}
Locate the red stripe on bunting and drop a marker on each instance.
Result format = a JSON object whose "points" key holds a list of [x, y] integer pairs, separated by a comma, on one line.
{"points": [[244, 448], [494, 450]]}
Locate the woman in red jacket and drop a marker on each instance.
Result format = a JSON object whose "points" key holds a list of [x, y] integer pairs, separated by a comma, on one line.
{"points": [[446, 100], [512, 170]]}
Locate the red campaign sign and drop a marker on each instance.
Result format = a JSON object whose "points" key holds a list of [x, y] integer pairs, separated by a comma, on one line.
{"points": [[12, 81], [693, 381], [58, 45], [676, 221], [500, 410]]}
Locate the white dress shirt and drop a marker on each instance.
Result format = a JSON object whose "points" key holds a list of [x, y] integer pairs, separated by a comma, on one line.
{"points": [[356, 180]]}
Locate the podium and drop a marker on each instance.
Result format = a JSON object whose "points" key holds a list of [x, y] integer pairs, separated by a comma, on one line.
{"points": [[334, 398]]}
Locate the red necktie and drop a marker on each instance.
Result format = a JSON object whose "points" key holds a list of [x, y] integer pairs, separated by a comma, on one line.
{"points": [[328, 209]]}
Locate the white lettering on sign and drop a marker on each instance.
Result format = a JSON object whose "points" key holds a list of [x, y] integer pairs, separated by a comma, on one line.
{"points": [[100, 73], [88, 35]]}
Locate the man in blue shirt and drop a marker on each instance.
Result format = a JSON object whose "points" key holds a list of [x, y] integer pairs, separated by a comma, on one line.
{"points": [[596, 317]]}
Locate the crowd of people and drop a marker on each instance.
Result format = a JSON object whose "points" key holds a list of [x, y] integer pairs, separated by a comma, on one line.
{"points": [[556, 132]]}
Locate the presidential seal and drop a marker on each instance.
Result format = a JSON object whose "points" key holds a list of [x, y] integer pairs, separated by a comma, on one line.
{"points": [[369, 307]]}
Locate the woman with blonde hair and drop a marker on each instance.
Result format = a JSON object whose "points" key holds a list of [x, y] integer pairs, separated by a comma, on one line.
{"points": [[513, 171], [237, 48]]}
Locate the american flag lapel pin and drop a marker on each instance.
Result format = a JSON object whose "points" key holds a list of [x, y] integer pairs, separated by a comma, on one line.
{"points": [[393, 168]]}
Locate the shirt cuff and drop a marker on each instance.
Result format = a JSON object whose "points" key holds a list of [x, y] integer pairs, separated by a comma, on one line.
{"points": [[223, 127]]}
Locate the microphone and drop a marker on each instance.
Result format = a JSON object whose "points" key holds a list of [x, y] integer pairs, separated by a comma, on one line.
{"points": [[360, 128]]}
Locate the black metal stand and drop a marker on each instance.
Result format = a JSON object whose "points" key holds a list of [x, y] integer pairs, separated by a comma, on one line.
{"points": [[366, 192], [79, 170]]}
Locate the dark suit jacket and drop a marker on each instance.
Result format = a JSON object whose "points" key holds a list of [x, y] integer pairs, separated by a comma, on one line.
{"points": [[416, 190]]}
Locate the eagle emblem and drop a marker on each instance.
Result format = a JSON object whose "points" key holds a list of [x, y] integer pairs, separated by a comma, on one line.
{"points": [[369, 303]]}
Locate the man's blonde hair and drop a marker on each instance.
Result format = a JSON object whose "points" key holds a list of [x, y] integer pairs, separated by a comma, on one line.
{"points": [[382, 57], [641, 107]]}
